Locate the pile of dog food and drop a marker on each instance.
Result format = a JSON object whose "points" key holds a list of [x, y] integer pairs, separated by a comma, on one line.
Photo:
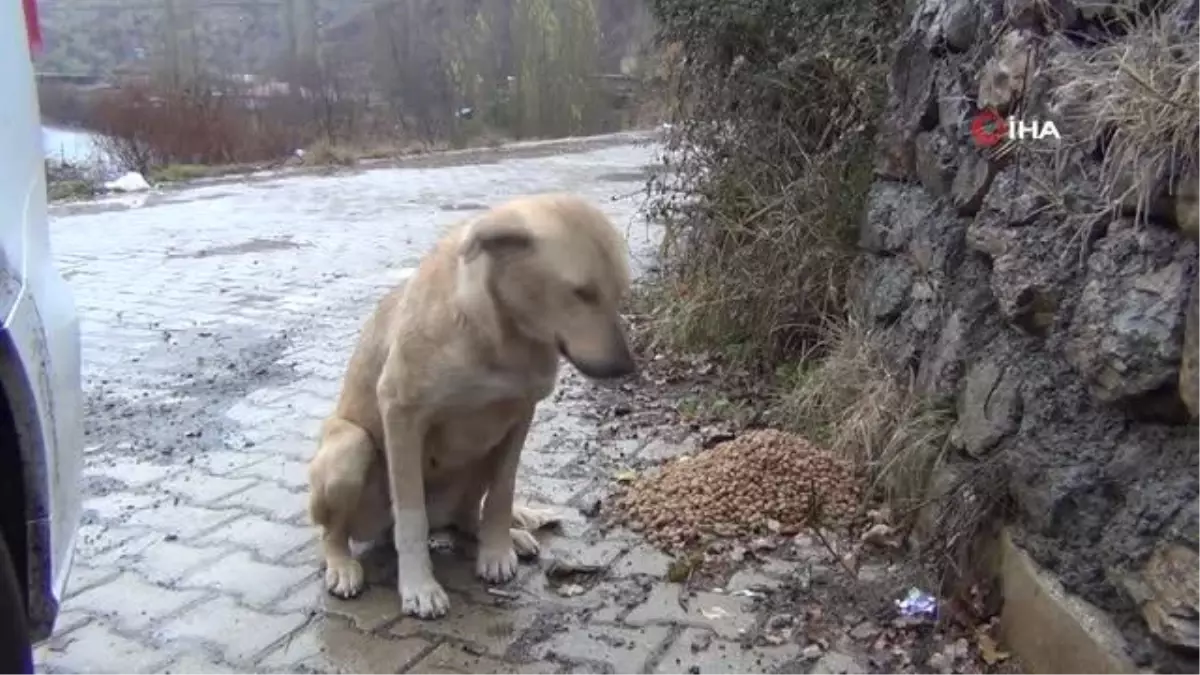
{"points": [[763, 482]]}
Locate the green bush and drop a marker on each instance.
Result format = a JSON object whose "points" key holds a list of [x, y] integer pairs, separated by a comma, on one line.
{"points": [[773, 105]]}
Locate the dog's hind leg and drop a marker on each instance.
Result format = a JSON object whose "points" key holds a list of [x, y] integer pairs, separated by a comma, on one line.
{"points": [[338, 476], [466, 517]]}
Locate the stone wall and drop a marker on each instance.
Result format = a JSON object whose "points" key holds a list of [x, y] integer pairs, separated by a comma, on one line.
{"points": [[1066, 344]]}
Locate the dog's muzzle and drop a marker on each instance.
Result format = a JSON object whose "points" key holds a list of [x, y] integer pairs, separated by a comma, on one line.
{"points": [[619, 364]]}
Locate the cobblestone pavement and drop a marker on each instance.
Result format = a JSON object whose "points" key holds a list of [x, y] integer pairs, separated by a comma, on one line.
{"points": [[217, 321]]}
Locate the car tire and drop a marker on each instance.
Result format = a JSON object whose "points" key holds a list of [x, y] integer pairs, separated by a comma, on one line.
{"points": [[16, 653]]}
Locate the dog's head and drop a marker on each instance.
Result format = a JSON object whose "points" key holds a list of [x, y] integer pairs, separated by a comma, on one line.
{"points": [[556, 270]]}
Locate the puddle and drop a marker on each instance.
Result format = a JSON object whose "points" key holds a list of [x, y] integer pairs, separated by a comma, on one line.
{"points": [[255, 245], [623, 176], [464, 206]]}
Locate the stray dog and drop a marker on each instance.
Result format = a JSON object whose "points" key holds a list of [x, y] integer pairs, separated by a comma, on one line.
{"points": [[441, 389]]}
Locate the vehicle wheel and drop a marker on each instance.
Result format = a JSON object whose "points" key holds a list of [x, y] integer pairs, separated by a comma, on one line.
{"points": [[16, 653]]}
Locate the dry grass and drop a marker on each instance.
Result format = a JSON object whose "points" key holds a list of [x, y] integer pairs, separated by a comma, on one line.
{"points": [[854, 403], [1138, 95]]}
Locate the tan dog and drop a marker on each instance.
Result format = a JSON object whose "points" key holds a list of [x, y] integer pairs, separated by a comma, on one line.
{"points": [[444, 381]]}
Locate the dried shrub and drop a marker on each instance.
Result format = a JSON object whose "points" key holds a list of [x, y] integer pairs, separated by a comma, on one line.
{"points": [[772, 128], [858, 405], [1136, 96], [146, 128]]}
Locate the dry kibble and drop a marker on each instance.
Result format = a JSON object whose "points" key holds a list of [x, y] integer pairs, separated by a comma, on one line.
{"points": [[736, 487]]}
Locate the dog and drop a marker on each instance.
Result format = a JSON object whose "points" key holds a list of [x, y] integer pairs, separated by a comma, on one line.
{"points": [[442, 385]]}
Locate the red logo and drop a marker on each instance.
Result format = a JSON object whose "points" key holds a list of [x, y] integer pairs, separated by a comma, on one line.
{"points": [[988, 128]]}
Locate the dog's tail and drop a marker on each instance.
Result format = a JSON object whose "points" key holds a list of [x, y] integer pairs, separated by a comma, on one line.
{"points": [[531, 519], [338, 473]]}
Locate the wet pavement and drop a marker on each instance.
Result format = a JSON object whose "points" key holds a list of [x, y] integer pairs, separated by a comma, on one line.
{"points": [[217, 321]]}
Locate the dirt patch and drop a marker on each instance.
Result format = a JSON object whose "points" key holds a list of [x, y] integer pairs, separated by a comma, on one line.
{"points": [[175, 409]]}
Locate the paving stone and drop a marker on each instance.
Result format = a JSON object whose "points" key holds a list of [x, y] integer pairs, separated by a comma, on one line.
{"points": [[333, 646], [226, 462], [239, 633], [118, 507], [269, 540], [660, 450], [154, 602], [84, 577], [643, 559], [270, 499], [696, 649], [195, 663], [289, 473], [203, 490], [661, 606], [376, 607], [95, 648], [94, 539], [452, 658], [254, 582], [626, 650], [179, 520], [165, 562], [750, 579], [836, 663], [555, 491], [600, 553], [130, 471], [492, 629]]}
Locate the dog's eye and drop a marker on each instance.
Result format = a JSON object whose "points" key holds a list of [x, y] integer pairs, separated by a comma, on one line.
{"points": [[587, 294]]}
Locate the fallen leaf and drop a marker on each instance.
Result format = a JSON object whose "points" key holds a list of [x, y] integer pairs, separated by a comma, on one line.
{"points": [[988, 649], [627, 476]]}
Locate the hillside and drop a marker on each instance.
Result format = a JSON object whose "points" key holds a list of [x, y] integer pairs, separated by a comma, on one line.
{"points": [[103, 37]]}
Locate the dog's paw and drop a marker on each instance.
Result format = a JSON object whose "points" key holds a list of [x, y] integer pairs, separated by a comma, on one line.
{"points": [[496, 564], [344, 580], [525, 544], [424, 598]]}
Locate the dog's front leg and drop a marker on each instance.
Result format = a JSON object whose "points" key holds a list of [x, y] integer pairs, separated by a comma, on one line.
{"points": [[497, 559], [404, 433]]}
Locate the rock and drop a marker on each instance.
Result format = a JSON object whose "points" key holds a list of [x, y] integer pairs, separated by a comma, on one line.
{"points": [[912, 107], [1167, 591], [1003, 78], [1186, 211], [946, 480], [811, 652], [1014, 200], [1189, 369], [935, 161], [971, 183], [867, 630], [894, 212], [1126, 338], [954, 107], [989, 408], [990, 241], [941, 367], [1048, 15], [836, 663], [957, 24], [888, 287]]}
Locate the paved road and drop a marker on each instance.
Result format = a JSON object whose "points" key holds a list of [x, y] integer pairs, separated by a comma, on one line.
{"points": [[217, 321]]}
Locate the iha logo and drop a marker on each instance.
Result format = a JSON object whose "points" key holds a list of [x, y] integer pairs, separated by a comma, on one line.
{"points": [[988, 129]]}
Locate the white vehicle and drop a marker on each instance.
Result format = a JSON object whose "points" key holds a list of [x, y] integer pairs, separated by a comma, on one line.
{"points": [[41, 401]]}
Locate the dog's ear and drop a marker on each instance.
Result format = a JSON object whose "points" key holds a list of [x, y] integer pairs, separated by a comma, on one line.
{"points": [[495, 238]]}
